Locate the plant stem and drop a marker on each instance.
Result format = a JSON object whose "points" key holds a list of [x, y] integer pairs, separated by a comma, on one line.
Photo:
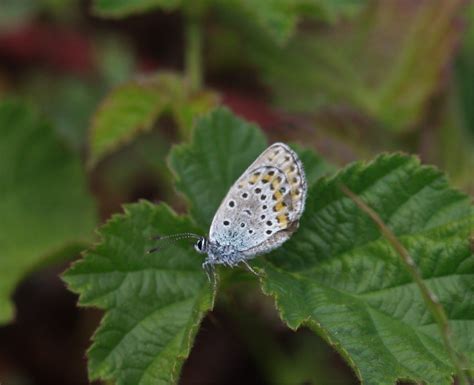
{"points": [[193, 50], [430, 298]]}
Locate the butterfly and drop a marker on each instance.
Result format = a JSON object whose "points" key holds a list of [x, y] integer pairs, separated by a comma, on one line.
{"points": [[259, 213]]}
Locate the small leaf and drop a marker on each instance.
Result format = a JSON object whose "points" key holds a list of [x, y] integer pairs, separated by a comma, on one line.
{"points": [[124, 8], [153, 302], [221, 149], [127, 111], [44, 203], [339, 276], [135, 107]]}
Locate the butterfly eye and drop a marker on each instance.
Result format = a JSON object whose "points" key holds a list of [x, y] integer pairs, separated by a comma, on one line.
{"points": [[199, 244]]}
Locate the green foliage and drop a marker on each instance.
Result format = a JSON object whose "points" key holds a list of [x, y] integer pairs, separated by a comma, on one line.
{"points": [[154, 302], [134, 108], [44, 201], [339, 256], [386, 75], [337, 275]]}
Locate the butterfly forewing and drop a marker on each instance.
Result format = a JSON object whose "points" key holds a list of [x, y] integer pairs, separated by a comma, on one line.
{"points": [[263, 204]]}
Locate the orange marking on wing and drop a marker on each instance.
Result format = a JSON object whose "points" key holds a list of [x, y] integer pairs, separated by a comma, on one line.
{"points": [[282, 220], [277, 195], [279, 206]]}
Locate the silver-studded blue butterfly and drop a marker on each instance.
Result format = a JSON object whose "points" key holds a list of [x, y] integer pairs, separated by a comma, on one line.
{"points": [[260, 212]]}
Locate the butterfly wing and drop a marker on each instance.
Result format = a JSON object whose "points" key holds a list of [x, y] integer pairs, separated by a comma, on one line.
{"points": [[262, 208]]}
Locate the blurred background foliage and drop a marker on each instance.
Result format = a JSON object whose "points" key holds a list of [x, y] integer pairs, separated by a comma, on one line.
{"points": [[118, 82]]}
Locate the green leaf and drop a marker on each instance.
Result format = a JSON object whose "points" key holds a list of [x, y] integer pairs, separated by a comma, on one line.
{"points": [[339, 276], [134, 108], [44, 203], [123, 8], [222, 147], [153, 302]]}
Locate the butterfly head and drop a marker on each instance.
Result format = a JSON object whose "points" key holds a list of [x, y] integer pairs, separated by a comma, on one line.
{"points": [[201, 246]]}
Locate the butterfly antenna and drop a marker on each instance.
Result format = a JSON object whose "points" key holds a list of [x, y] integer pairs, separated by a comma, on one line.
{"points": [[172, 236], [170, 240]]}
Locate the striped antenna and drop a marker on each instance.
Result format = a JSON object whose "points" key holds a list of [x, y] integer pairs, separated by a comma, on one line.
{"points": [[170, 239]]}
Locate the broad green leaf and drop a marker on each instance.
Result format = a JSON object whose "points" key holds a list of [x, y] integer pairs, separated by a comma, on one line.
{"points": [[338, 276], [123, 8], [44, 203], [221, 148], [134, 108], [153, 302]]}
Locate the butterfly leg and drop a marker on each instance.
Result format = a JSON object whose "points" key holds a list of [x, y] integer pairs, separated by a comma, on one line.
{"points": [[250, 268], [211, 274], [209, 270]]}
